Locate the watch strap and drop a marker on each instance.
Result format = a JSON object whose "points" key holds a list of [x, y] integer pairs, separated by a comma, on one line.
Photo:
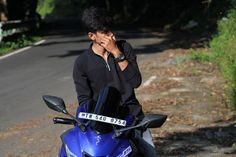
{"points": [[120, 58]]}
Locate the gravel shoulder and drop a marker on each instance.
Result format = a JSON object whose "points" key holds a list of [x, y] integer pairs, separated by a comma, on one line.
{"points": [[192, 95]]}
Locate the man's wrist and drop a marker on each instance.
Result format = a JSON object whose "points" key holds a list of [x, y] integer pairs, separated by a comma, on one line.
{"points": [[116, 52], [120, 58]]}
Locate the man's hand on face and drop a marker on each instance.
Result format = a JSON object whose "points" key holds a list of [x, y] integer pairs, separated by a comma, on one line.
{"points": [[109, 43]]}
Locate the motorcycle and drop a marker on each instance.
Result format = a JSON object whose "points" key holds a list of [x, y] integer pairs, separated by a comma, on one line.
{"points": [[105, 131]]}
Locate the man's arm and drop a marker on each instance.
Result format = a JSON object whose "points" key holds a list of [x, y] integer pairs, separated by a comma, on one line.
{"points": [[122, 64], [81, 83], [130, 67]]}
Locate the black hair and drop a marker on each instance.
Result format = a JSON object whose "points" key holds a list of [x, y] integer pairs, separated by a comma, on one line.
{"points": [[96, 19]]}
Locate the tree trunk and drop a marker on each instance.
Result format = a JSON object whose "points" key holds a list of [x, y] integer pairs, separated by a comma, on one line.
{"points": [[3, 10], [108, 5]]}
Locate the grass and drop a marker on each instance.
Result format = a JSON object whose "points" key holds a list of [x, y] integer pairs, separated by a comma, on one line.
{"points": [[8, 46], [200, 56]]}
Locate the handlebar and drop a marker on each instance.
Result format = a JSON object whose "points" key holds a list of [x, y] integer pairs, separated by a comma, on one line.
{"points": [[59, 120]]}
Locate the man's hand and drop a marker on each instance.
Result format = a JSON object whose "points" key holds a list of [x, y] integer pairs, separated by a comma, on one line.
{"points": [[109, 43]]}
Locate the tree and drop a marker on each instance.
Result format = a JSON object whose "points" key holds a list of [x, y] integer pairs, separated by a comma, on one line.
{"points": [[3, 10]]}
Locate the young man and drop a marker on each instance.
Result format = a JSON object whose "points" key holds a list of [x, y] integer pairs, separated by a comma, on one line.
{"points": [[107, 62]]}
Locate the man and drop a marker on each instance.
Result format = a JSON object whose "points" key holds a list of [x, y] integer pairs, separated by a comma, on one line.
{"points": [[106, 62]]}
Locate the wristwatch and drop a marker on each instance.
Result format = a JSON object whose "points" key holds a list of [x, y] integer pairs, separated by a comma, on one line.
{"points": [[120, 58]]}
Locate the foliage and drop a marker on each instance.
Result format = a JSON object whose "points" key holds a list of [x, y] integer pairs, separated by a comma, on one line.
{"points": [[75, 7], [223, 51], [45, 7], [148, 12], [7, 46], [21, 9], [61, 8], [200, 56]]}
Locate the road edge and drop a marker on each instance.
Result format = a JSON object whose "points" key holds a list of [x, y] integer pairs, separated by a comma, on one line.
{"points": [[22, 49]]}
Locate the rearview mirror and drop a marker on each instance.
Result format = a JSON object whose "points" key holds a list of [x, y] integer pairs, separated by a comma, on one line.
{"points": [[55, 103], [153, 120], [149, 121]]}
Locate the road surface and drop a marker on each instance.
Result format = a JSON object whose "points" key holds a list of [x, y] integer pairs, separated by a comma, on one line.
{"points": [[47, 69]]}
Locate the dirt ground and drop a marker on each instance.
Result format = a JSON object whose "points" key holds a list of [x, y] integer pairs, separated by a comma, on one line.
{"points": [[191, 94], [200, 123]]}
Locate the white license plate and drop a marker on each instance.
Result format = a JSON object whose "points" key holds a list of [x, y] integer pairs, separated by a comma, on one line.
{"points": [[101, 118]]}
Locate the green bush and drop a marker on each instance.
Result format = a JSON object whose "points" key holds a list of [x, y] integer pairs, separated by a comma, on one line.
{"points": [[45, 7], [8, 46], [223, 49], [200, 56], [61, 8]]}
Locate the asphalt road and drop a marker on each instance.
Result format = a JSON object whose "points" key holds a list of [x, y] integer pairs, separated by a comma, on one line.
{"points": [[47, 69]]}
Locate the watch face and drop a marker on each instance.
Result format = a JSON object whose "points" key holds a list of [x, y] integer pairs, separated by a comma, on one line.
{"points": [[120, 58]]}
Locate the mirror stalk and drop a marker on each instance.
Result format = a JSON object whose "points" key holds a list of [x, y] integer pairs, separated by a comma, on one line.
{"points": [[149, 121], [120, 131], [80, 125]]}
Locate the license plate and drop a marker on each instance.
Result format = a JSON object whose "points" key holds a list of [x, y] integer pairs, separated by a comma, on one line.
{"points": [[101, 118]]}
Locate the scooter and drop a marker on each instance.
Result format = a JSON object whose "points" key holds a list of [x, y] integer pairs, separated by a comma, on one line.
{"points": [[103, 132]]}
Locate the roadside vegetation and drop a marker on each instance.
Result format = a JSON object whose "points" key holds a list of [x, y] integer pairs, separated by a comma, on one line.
{"points": [[222, 51], [9, 45]]}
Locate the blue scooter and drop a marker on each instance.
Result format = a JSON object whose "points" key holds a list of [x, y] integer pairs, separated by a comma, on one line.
{"points": [[104, 131]]}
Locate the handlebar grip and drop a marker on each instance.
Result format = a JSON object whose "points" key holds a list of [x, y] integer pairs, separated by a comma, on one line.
{"points": [[59, 120]]}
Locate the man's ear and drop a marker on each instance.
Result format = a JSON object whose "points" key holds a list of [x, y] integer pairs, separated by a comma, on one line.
{"points": [[91, 35]]}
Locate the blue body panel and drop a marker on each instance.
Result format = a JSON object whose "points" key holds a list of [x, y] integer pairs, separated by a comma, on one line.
{"points": [[76, 143], [95, 145], [62, 152]]}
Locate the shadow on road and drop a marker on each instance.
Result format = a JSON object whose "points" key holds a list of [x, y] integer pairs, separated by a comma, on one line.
{"points": [[197, 142], [150, 40], [68, 54], [63, 42], [169, 40]]}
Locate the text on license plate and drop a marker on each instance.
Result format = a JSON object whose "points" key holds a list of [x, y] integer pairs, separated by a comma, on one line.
{"points": [[101, 118]]}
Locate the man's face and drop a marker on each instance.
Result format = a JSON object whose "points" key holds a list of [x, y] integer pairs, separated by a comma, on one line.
{"points": [[99, 35]]}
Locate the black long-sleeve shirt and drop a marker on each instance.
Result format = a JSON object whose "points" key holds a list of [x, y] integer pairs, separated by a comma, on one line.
{"points": [[91, 73]]}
